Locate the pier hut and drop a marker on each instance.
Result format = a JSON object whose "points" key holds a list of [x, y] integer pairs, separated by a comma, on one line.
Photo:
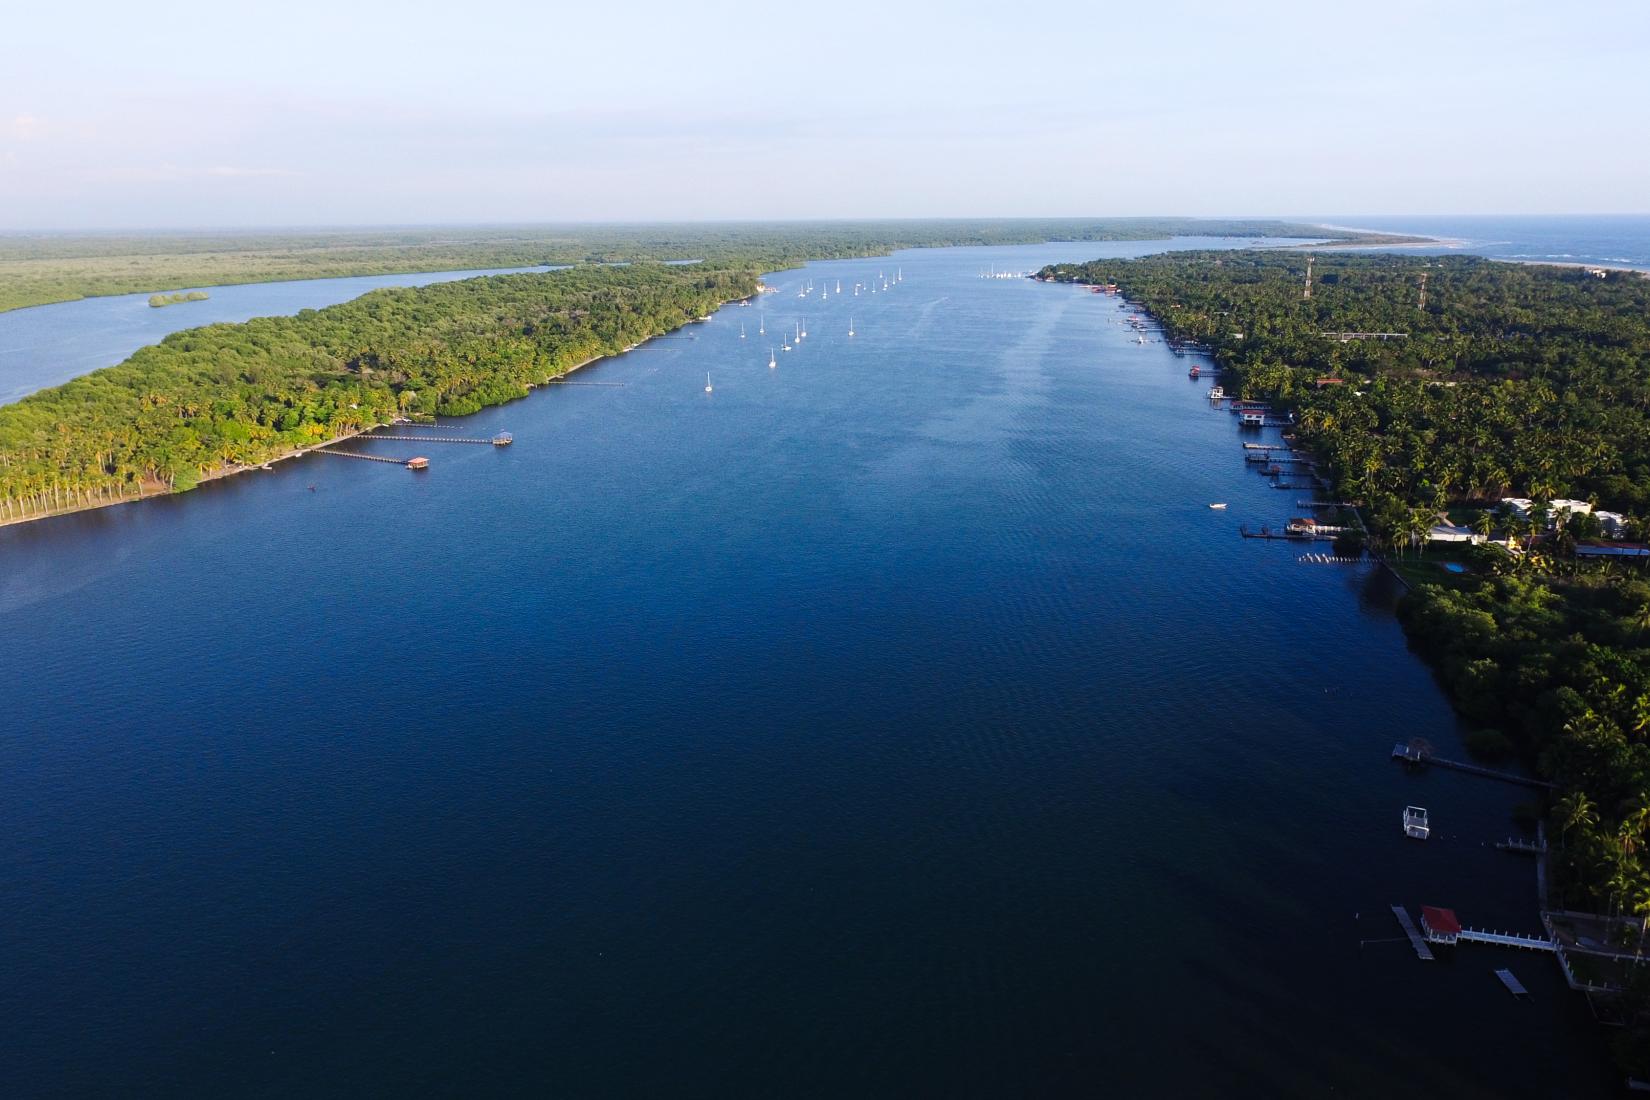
{"points": [[1440, 925], [1251, 418]]}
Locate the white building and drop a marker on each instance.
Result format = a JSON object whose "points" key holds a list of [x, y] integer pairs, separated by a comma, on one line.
{"points": [[1612, 522], [1446, 532]]}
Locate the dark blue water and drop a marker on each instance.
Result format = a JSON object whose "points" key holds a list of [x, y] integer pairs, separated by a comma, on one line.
{"points": [[898, 721], [1610, 240], [47, 345]]}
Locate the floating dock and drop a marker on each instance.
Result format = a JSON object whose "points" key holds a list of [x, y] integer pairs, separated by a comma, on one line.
{"points": [[1414, 934], [1514, 986]]}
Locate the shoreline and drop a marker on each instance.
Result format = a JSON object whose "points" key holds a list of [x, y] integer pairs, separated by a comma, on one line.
{"points": [[219, 475]]}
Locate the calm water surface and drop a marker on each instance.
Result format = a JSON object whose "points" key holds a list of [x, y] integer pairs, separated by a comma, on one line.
{"points": [[898, 721]]}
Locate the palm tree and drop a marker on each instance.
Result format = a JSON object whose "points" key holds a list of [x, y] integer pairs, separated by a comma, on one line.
{"points": [[1575, 810]]}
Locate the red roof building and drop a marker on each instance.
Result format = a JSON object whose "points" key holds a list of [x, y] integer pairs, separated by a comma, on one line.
{"points": [[1440, 925]]}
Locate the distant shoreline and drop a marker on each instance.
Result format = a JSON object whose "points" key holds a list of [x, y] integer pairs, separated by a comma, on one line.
{"points": [[161, 492]]}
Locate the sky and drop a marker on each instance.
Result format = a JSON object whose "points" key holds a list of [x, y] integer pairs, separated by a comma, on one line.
{"points": [[350, 112]]}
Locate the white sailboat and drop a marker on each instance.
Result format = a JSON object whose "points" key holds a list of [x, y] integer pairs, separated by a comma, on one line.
{"points": [[839, 286], [899, 274], [707, 381], [802, 332], [799, 332], [850, 326], [772, 362], [741, 330], [761, 325]]}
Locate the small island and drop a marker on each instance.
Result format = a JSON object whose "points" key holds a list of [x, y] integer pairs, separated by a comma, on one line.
{"points": [[157, 301]]}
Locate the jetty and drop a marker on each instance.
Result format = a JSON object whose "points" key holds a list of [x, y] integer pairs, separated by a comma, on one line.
{"points": [[502, 439], [1527, 847], [1411, 755], [1506, 939], [1266, 447], [418, 462]]}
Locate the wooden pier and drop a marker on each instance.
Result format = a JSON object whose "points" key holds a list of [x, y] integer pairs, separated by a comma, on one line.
{"points": [[1266, 446], [1414, 934], [1507, 939], [503, 439], [418, 462], [1410, 756]]}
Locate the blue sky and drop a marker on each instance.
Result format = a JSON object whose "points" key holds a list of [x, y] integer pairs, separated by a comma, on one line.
{"points": [[305, 113]]}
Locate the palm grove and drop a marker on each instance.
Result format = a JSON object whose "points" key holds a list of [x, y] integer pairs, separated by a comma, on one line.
{"points": [[1507, 379]]}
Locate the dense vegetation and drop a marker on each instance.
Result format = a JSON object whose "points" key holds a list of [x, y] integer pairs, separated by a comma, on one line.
{"points": [[40, 268], [157, 301], [1509, 380], [215, 398]]}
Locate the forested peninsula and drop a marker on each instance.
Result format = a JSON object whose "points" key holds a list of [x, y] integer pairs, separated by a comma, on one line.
{"points": [[39, 268], [225, 397], [1433, 389]]}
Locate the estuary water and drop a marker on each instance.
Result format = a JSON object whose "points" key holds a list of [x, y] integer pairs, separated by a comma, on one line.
{"points": [[897, 720]]}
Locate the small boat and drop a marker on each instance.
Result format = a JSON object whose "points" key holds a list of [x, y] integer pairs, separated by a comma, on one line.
{"points": [[742, 335], [1416, 826], [707, 381], [850, 326], [772, 362], [1220, 507], [1216, 393], [761, 325], [839, 286]]}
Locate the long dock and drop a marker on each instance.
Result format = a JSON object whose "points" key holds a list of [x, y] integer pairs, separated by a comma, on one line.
{"points": [[417, 463], [1412, 932], [1507, 939], [1404, 753], [433, 438]]}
